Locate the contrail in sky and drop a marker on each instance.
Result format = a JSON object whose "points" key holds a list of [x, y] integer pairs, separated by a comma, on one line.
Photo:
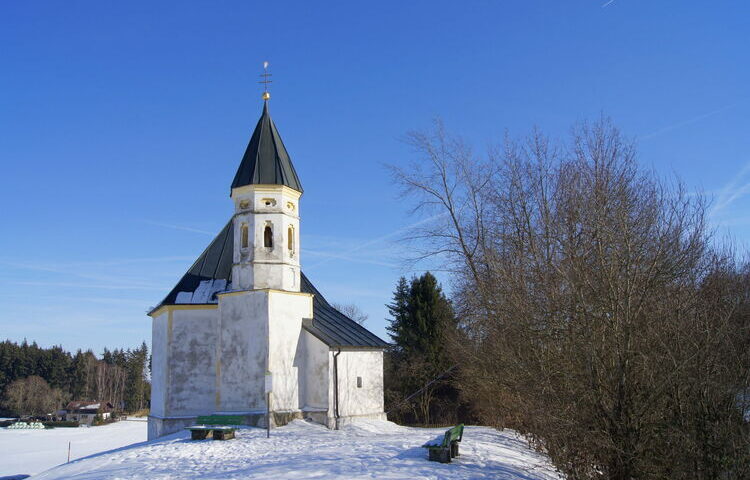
{"points": [[688, 122], [738, 187], [179, 227], [380, 239]]}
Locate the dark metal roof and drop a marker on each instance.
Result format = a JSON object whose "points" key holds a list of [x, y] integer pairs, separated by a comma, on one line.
{"points": [[333, 327], [215, 263], [266, 161], [212, 273]]}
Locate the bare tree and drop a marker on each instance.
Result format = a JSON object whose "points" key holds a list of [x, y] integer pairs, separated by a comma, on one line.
{"points": [[352, 311], [32, 396], [110, 383], [602, 320]]}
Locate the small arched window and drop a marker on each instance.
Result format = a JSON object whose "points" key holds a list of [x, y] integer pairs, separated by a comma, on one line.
{"points": [[244, 236], [268, 237], [290, 238]]}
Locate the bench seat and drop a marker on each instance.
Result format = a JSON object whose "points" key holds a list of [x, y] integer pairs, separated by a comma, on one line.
{"points": [[220, 427], [443, 449], [201, 432]]}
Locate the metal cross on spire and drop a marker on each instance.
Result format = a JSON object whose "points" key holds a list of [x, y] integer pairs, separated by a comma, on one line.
{"points": [[265, 81]]}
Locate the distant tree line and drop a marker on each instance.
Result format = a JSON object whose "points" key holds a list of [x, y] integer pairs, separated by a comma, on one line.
{"points": [[596, 312], [36, 380]]}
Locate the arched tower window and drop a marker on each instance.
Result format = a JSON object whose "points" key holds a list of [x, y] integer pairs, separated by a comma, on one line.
{"points": [[244, 236], [290, 238], [268, 237]]}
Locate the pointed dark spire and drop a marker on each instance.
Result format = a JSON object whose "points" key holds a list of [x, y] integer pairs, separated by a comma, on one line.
{"points": [[266, 161]]}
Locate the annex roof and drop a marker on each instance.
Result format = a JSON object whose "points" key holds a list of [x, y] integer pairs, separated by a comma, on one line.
{"points": [[211, 274], [84, 407], [266, 161], [333, 327]]}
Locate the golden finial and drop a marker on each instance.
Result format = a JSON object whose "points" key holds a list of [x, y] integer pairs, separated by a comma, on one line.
{"points": [[265, 81]]}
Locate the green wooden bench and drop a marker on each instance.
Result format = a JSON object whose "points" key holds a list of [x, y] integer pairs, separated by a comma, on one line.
{"points": [[442, 450], [220, 427]]}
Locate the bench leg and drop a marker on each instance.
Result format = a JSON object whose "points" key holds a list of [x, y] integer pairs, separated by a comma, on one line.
{"points": [[445, 455], [223, 435], [199, 434], [442, 455], [454, 449]]}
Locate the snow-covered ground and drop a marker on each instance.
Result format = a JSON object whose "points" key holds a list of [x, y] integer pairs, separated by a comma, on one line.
{"points": [[26, 452], [372, 449]]}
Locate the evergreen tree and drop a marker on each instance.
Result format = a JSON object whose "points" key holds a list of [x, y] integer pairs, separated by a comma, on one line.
{"points": [[57, 368], [108, 357], [120, 357], [422, 316], [135, 392], [399, 310], [422, 321], [22, 366], [81, 381]]}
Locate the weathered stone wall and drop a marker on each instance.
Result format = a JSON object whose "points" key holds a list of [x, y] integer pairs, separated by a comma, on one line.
{"points": [[159, 356], [242, 351], [183, 381], [312, 358], [158, 427], [192, 360], [366, 400], [286, 311]]}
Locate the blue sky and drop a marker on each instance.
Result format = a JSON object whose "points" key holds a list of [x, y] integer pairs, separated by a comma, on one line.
{"points": [[122, 124]]}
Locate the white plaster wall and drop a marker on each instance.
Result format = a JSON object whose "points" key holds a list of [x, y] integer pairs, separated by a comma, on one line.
{"points": [[242, 351], [286, 311], [159, 357], [259, 267], [192, 372], [275, 267], [312, 357], [277, 276], [367, 400], [242, 276], [242, 266], [292, 257]]}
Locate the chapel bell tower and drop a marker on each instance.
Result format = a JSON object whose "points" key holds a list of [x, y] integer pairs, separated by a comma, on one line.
{"points": [[266, 193]]}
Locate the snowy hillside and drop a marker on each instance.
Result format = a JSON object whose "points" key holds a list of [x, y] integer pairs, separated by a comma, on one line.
{"points": [[26, 452], [380, 450]]}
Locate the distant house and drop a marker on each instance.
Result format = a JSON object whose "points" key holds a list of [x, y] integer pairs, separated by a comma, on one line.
{"points": [[59, 415], [85, 412]]}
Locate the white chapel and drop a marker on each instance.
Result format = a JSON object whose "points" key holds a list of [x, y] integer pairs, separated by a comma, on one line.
{"points": [[244, 312]]}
